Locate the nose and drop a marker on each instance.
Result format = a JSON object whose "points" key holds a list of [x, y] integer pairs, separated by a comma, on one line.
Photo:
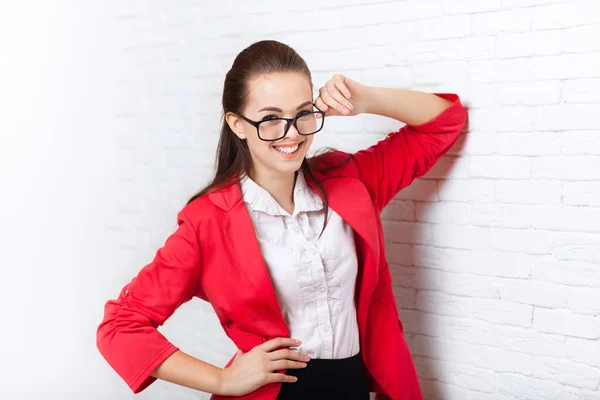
{"points": [[292, 132]]}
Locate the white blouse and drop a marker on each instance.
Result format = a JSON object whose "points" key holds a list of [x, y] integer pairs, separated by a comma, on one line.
{"points": [[314, 278]]}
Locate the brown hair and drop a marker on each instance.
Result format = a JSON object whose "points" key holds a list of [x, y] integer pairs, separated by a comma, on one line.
{"points": [[233, 155]]}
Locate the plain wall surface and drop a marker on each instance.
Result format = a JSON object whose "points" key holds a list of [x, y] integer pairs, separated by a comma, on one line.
{"points": [[109, 121]]}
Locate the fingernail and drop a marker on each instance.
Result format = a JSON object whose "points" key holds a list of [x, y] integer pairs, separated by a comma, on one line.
{"points": [[298, 342], [349, 106], [345, 110]]}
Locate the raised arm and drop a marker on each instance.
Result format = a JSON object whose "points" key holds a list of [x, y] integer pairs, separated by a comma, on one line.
{"points": [[433, 124]]}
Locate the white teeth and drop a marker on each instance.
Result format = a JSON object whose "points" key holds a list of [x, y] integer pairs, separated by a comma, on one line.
{"points": [[288, 150]]}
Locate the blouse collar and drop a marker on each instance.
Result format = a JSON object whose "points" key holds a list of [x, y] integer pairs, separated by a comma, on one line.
{"points": [[259, 199]]}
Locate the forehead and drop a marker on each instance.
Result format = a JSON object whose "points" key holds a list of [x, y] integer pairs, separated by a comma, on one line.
{"points": [[283, 90]]}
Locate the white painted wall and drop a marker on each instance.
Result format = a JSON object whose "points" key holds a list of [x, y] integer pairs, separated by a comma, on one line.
{"points": [[109, 119]]}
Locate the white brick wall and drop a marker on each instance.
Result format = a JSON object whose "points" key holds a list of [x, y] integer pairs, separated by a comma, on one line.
{"points": [[495, 253]]}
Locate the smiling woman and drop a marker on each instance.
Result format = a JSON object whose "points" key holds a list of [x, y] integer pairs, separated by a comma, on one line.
{"points": [[288, 249]]}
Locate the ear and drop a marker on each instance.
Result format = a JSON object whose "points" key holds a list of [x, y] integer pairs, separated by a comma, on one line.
{"points": [[235, 124]]}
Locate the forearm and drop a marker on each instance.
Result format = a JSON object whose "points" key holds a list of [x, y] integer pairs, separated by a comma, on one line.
{"points": [[409, 106], [185, 370]]}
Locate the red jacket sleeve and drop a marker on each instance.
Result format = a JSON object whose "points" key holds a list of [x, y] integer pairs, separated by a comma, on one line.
{"points": [[394, 162], [128, 337]]}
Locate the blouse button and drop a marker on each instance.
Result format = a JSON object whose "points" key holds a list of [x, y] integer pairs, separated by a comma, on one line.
{"points": [[297, 229]]}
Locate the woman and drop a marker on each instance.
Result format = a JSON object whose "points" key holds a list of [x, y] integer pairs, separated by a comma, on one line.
{"points": [[289, 250]]}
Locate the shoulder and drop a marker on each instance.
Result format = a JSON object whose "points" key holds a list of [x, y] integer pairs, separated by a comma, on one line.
{"points": [[204, 209]]}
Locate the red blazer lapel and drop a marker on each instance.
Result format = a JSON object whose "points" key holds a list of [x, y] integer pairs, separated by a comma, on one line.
{"points": [[241, 236], [350, 199]]}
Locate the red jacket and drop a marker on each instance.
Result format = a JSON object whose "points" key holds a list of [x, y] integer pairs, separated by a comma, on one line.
{"points": [[214, 255]]}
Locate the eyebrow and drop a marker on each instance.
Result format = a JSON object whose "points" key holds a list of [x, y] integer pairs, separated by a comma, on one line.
{"points": [[279, 109]]}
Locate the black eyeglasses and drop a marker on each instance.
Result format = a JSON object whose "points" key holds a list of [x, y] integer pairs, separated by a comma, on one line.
{"points": [[306, 123]]}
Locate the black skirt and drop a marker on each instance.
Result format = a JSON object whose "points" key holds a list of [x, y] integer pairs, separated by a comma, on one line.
{"points": [[343, 378]]}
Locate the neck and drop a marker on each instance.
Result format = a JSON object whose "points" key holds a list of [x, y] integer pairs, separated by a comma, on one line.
{"points": [[280, 186]]}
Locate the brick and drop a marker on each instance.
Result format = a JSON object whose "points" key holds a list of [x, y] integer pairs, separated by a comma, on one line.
{"points": [[564, 322], [458, 236], [502, 119], [525, 387], [444, 212], [502, 215], [528, 143], [421, 190], [579, 142], [572, 168], [564, 15], [565, 66], [470, 6], [405, 298], [528, 192], [576, 246], [441, 72], [584, 301], [578, 40], [478, 262], [524, 44], [399, 253], [537, 293], [445, 27], [581, 116], [582, 91], [526, 241], [566, 372], [470, 330], [527, 93], [473, 190], [581, 193], [528, 3], [399, 210], [449, 167], [505, 167], [568, 272], [474, 143], [583, 351], [565, 218], [492, 23], [491, 310], [513, 70], [486, 357], [407, 232]]}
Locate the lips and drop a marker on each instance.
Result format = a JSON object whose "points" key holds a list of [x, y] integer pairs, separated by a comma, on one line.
{"points": [[288, 148]]}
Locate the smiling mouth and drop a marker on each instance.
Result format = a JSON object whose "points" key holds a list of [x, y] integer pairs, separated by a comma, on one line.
{"points": [[289, 149]]}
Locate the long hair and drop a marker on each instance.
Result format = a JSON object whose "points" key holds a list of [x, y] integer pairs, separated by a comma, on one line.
{"points": [[233, 157]]}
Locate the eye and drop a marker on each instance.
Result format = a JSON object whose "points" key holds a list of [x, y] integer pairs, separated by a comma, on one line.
{"points": [[304, 112], [269, 117]]}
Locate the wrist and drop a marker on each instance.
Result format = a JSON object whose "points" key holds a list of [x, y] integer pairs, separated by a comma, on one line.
{"points": [[221, 388], [368, 99]]}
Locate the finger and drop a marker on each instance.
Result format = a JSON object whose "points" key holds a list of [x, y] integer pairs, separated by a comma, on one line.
{"points": [[287, 354], [339, 97], [278, 342], [286, 364], [280, 378], [332, 103], [321, 104], [341, 86]]}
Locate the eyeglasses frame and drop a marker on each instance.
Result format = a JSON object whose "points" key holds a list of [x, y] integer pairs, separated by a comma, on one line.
{"points": [[289, 122]]}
